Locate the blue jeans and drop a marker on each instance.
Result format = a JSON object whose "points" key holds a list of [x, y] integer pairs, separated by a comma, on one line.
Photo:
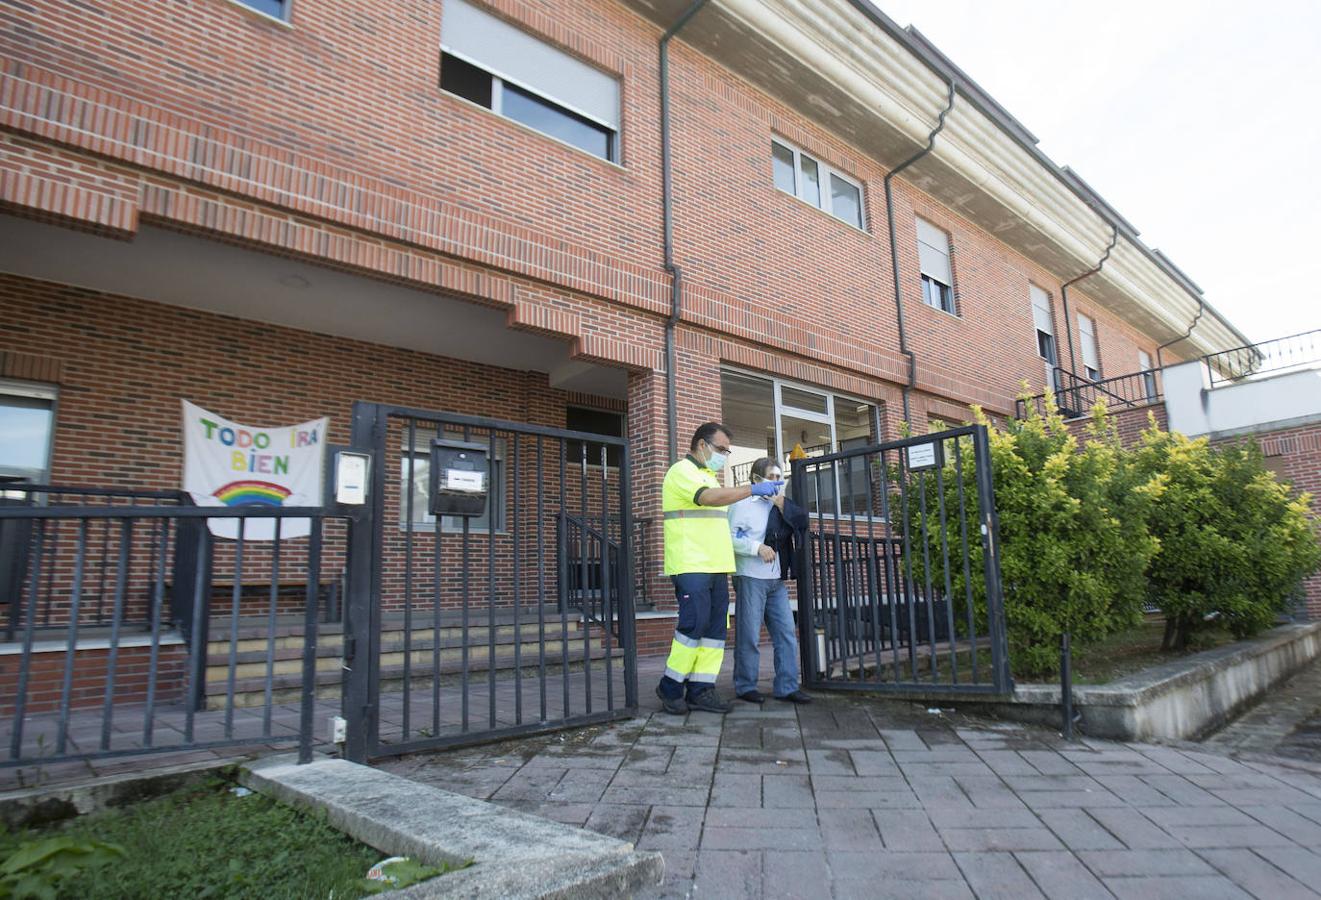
{"points": [[757, 599]]}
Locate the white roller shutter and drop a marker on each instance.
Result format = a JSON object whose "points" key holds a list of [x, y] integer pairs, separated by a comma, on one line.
{"points": [[1041, 310], [495, 45], [1087, 341], [933, 252]]}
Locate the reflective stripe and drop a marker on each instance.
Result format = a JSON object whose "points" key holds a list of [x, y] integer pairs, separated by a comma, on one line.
{"points": [[682, 659], [703, 678], [696, 514], [684, 639], [708, 643], [707, 665], [677, 676]]}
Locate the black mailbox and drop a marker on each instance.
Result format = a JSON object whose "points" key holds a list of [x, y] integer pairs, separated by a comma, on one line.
{"points": [[460, 478]]}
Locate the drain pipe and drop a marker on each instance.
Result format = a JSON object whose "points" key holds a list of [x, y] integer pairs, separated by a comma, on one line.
{"points": [[667, 208], [1064, 295], [1201, 308], [894, 250]]}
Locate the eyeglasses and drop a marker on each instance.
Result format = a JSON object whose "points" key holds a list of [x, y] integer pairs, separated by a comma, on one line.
{"points": [[725, 449]]}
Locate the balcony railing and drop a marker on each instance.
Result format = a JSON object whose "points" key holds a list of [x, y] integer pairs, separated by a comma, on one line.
{"points": [[1294, 353], [1075, 395]]}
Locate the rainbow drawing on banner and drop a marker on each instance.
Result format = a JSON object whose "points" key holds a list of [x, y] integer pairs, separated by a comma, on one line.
{"points": [[244, 493]]}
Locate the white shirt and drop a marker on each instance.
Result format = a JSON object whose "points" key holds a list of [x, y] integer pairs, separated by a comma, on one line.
{"points": [[747, 529]]}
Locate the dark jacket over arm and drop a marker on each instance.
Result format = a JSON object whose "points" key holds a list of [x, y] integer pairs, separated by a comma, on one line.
{"points": [[783, 530]]}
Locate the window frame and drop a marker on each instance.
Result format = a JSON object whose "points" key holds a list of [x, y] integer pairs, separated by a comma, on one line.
{"points": [[498, 81], [944, 291], [33, 390], [623, 433], [824, 171], [285, 17], [1148, 375], [1091, 373], [421, 450]]}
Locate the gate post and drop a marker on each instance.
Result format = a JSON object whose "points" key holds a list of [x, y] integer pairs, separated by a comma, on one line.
{"points": [[361, 634], [990, 533]]}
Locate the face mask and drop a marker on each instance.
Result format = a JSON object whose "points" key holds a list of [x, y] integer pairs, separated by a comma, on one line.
{"points": [[716, 461]]}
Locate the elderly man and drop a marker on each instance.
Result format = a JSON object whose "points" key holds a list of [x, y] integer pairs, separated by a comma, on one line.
{"points": [[764, 529], [698, 558]]}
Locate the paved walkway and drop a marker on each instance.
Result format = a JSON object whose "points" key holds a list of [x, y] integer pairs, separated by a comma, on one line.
{"points": [[857, 797], [1287, 723]]}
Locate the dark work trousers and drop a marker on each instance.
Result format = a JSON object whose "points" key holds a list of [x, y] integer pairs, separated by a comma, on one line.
{"points": [[698, 648]]}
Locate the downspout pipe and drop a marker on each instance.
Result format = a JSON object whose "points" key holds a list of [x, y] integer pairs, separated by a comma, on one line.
{"points": [[894, 250], [1201, 308], [667, 210], [1064, 295]]}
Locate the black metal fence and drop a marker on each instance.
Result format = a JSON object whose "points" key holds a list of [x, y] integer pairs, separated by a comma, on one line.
{"points": [[512, 617], [1292, 353], [112, 608], [899, 587], [1075, 396]]}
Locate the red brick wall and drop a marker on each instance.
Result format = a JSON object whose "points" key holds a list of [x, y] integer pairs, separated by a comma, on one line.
{"points": [[132, 675]]}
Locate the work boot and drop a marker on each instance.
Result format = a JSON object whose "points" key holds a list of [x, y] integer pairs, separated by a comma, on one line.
{"points": [[753, 696], [672, 705], [796, 697], [709, 701]]}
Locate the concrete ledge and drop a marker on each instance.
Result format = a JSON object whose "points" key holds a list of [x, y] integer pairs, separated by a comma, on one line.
{"points": [[514, 855], [1180, 700]]}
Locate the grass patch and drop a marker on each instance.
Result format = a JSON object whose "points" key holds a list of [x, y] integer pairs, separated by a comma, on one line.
{"points": [[1131, 651], [203, 841]]}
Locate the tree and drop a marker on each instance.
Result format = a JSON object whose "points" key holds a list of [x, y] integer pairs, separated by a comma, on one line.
{"points": [[1234, 545]]}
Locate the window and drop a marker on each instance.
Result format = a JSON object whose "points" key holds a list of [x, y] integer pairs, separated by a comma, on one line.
{"points": [[937, 276], [423, 520], [276, 9], [27, 425], [816, 183], [577, 418], [491, 63], [784, 421], [1148, 375], [1091, 360]]}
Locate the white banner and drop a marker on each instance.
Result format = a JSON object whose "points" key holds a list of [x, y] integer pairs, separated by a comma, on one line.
{"points": [[228, 464]]}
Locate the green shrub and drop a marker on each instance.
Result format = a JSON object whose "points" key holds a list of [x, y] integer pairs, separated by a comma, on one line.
{"points": [[1233, 544], [39, 868], [1073, 544]]}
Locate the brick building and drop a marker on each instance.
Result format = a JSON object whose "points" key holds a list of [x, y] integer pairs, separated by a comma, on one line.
{"points": [[273, 208]]}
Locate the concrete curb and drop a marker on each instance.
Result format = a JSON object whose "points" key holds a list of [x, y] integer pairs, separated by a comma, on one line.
{"points": [[1180, 700], [514, 855], [32, 807]]}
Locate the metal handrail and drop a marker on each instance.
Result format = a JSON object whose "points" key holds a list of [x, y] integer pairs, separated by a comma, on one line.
{"points": [[1131, 390], [1296, 351]]}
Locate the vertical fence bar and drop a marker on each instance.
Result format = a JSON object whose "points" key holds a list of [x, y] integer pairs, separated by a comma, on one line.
{"points": [[874, 584], [464, 637], [490, 575], [893, 586], [563, 577], [967, 565], [235, 595], [305, 723], [518, 585], [105, 554], [270, 630], [196, 644], [944, 549], [627, 601], [584, 542], [438, 532], [29, 630], [116, 620], [991, 561], [906, 559], [606, 582], [71, 644], [157, 609], [410, 488], [857, 577], [541, 575]]}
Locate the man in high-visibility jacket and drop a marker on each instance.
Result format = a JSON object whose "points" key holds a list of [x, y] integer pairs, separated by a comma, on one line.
{"points": [[699, 555]]}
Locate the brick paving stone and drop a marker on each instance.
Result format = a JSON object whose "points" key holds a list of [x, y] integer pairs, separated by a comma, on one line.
{"points": [[1154, 863], [1182, 791], [651, 796], [938, 754], [951, 817], [1094, 799], [902, 799], [989, 792], [795, 875], [873, 762], [830, 762], [849, 829], [857, 783], [907, 829], [724, 838], [1048, 762], [1133, 790], [1256, 875], [925, 769], [735, 817], [996, 875], [1202, 887], [1078, 830], [1302, 864], [1137, 830], [1300, 828], [671, 828], [901, 866], [736, 789], [1166, 816], [787, 792], [867, 889], [979, 840], [761, 761], [1006, 762], [729, 874], [1061, 876], [902, 740]]}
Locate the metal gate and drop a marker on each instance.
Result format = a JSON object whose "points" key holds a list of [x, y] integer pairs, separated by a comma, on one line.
{"points": [[899, 580], [489, 600]]}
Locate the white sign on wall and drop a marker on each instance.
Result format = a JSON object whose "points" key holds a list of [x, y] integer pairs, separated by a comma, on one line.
{"points": [[228, 464]]}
